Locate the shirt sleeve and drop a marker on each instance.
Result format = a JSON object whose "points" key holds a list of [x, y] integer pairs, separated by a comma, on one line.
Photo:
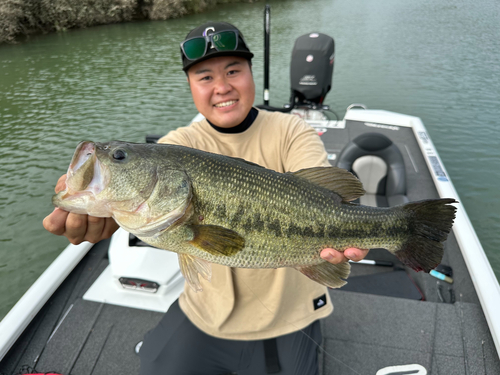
{"points": [[303, 147], [177, 137]]}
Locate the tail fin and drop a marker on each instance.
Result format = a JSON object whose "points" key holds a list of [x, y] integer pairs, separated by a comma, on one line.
{"points": [[430, 222]]}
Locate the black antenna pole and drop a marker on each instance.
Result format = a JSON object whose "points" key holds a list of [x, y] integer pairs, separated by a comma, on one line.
{"points": [[267, 32]]}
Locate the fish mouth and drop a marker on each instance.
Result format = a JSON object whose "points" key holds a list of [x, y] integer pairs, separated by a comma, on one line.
{"points": [[85, 172], [86, 178]]}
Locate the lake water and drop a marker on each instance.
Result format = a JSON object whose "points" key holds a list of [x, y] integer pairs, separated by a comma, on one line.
{"points": [[438, 60]]}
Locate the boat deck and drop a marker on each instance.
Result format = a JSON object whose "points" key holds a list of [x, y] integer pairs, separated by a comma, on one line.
{"points": [[378, 320]]}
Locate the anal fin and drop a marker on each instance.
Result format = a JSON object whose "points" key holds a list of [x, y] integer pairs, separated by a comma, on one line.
{"points": [[191, 267], [328, 274]]}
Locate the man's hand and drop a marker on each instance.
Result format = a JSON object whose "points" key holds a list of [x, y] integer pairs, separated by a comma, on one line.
{"points": [[78, 228], [336, 257]]}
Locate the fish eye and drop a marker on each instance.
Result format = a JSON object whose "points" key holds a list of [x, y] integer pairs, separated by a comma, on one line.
{"points": [[119, 154]]}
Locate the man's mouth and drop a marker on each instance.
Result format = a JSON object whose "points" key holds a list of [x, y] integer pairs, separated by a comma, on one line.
{"points": [[225, 104]]}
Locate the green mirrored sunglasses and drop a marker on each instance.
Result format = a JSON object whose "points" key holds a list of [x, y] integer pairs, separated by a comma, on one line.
{"points": [[196, 47]]}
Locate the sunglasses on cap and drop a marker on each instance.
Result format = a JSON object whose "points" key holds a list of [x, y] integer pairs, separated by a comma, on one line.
{"points": [[196, 47]]}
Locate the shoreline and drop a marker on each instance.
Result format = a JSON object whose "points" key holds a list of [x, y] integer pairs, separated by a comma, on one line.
{"points": [[20, 19]]}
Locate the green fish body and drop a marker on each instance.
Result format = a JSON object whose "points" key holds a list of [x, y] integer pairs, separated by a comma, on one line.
{"points": [[210, 208]]}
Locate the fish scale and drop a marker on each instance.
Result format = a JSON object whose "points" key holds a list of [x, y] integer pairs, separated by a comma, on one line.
{"points": [[213, 208], [315, 210]]}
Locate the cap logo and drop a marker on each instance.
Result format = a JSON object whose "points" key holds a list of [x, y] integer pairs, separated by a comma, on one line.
{"points": [[205, 34]]}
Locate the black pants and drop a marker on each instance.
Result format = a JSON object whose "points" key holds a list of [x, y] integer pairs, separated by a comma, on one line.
{"points": [[177, 347]]}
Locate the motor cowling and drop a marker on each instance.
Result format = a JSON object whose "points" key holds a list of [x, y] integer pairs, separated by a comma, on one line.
{"points": [[311, 70]]}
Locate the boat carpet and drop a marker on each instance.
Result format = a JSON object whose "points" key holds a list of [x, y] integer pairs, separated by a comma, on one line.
{"points": [[98, 339], [366, 333]]}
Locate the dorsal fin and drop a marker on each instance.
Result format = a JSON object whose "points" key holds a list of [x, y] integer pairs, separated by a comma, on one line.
{"points": [[246, 161], [338, 180]]}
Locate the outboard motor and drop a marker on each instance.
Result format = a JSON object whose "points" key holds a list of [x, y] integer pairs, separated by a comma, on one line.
{"points": [[311, 69]]}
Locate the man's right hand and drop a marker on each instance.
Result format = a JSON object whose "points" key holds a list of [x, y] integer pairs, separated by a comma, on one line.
{"points": [[76, 227]]}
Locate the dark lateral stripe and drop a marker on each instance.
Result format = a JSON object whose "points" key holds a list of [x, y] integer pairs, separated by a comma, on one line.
{"points": [[237, 217], [295, 230], [220, 211], [275, 226], [256, 224]]}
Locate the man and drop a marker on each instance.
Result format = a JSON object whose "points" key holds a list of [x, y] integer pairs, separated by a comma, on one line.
{"points": [[244, 320]]}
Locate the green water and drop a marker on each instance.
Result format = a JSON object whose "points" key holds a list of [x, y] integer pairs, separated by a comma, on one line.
{"points": [[435, 60]]}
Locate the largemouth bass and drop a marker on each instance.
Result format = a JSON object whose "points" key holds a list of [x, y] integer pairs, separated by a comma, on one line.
{"points": [[213, 208]]}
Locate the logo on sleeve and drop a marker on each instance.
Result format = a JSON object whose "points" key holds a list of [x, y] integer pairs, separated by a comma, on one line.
{"points": [[319, 302]]}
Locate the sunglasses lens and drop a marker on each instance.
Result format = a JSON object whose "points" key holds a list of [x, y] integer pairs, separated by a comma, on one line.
{"points": [[194, 48], [225, 41]]}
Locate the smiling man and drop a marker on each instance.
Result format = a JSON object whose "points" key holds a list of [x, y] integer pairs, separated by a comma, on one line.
{"points": [[245, 321]]}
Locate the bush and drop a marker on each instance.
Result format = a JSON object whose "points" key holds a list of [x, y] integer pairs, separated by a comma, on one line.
{"points": [[22, 17], [65, 14], [166, 9], [11, 12]]}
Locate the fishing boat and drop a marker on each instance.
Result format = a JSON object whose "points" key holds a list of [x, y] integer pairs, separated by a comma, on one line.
{"points": [[88, 312]]}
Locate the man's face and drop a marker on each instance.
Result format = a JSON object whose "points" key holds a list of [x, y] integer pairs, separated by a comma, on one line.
{"points": [[223, 89]]}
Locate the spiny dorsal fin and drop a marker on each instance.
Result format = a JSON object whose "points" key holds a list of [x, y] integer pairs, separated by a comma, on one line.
{"points": [[217, 240], [245, 161], [338, 180]]}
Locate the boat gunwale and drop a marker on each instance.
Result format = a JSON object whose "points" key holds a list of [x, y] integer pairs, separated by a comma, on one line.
{"points": [[28, 306]]}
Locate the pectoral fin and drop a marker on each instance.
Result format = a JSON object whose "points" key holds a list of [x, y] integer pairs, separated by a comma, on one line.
{"points": [[191, 267], [327, 274], [217, 240]]}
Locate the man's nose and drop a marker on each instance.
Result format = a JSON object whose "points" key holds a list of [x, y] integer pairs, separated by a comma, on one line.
{"points": [[222, 86]]}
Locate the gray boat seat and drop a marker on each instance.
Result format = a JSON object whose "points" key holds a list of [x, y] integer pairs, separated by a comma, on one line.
{"points": [[379, 165]]}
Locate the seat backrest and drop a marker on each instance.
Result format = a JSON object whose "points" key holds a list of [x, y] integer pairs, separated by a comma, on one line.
{"points": [[370, 170], [379, 165]]}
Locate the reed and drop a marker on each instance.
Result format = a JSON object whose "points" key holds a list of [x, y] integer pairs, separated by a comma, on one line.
{"points": [[19, 18]]}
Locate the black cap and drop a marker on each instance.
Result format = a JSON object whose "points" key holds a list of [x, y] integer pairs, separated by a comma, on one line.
{"points": [[241, 49]]}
